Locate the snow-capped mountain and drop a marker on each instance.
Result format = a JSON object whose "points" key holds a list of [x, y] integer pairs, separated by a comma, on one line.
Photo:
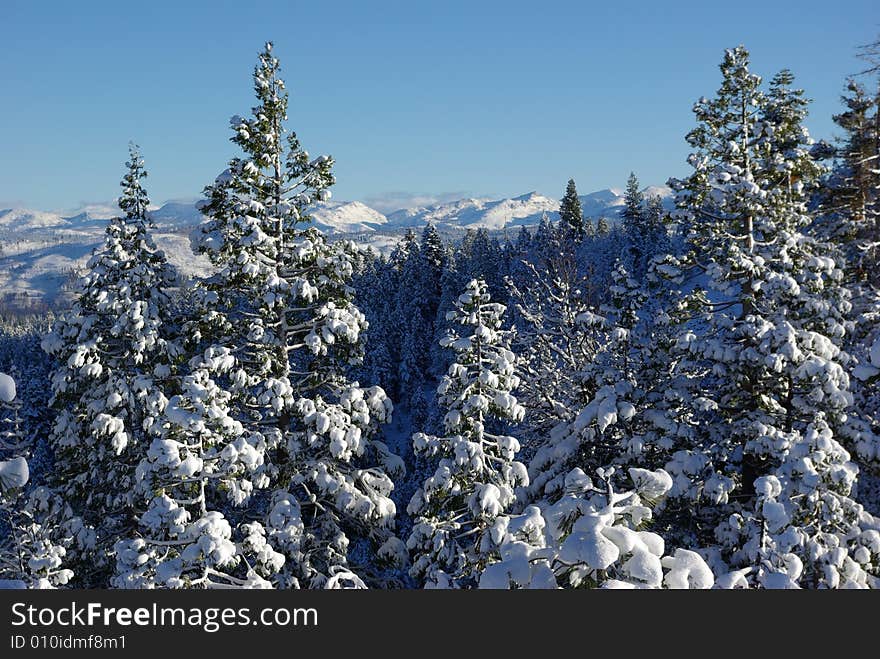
{"points": [[517, 211], [39, 251], [98, 210], [609, 202], [346, 217], [478, 213], [177, 213]]}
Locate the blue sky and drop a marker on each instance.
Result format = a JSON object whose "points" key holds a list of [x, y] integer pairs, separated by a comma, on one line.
{"points": [[416, 100]]}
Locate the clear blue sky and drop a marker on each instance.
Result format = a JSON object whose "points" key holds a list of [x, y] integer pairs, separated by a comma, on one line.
{"points": [[417, 98]]}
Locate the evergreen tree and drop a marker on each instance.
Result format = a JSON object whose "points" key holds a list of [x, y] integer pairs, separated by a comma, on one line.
{"points": [[850, 198], [451, 284], [476, 470], [599, 429], [633, 209], [418, 299], [555, 340], [589, 229], [644, 227], [276, 334], [770, 381], [570, 213], [655, 216], [594, 537], [115, 355], [34, 544], [202, 454]]}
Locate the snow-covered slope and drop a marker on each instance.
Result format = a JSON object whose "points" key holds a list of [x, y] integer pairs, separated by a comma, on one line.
{"points": [[14, 219], [177, 213], [96, 210], [602, 203], [38, 272], [479, 213], [524, 210], [346, 217]]}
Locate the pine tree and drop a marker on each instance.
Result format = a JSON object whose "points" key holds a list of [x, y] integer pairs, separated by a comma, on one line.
{"points": [[594, 537], [115, 353], [451, 283], [376, 295], [545, 245], [418, 299], [34, 544], [556, 340], [202, 452], [850, 198], [600, 430], [480, 258], [281, 308], [655, 216], [849, 201], [770, 381], [476, 471], [570, 213], [589, 229], [633, 209], [643, 226]]}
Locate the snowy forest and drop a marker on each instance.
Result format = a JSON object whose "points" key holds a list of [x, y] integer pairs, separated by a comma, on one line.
{"points": [[681, 399]]}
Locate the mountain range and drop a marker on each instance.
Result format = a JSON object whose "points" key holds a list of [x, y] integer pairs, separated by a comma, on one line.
{"points": [[40, 251], [352, 217]]}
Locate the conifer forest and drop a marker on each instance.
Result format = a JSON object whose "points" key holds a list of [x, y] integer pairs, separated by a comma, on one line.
{"points": [[684, 394]]}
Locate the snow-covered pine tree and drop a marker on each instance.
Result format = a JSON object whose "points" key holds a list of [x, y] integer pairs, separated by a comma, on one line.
{"points": [[600, 430], [634, 222], [34, 544], [594, 537], [376, 289], [480, 258], [626, 388], [202, 461], [545, 244], [115, 353], [589, 229], [849, 203], [476, 469], [768, 478], [281, 308], [850, 196], [633, 205], [418, 299], [571, 216], [403, 258], [555, 338], [435, 262], [643, 226], [451, 285], [655, 216]]}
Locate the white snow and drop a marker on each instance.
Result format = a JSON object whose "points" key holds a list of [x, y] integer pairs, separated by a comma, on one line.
{"points": [[875, 352], [7, 388], [346, 217], [14, 473]]}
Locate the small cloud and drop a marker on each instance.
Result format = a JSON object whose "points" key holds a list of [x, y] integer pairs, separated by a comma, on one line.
{"points": [[12, 203], [393, 201]]}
